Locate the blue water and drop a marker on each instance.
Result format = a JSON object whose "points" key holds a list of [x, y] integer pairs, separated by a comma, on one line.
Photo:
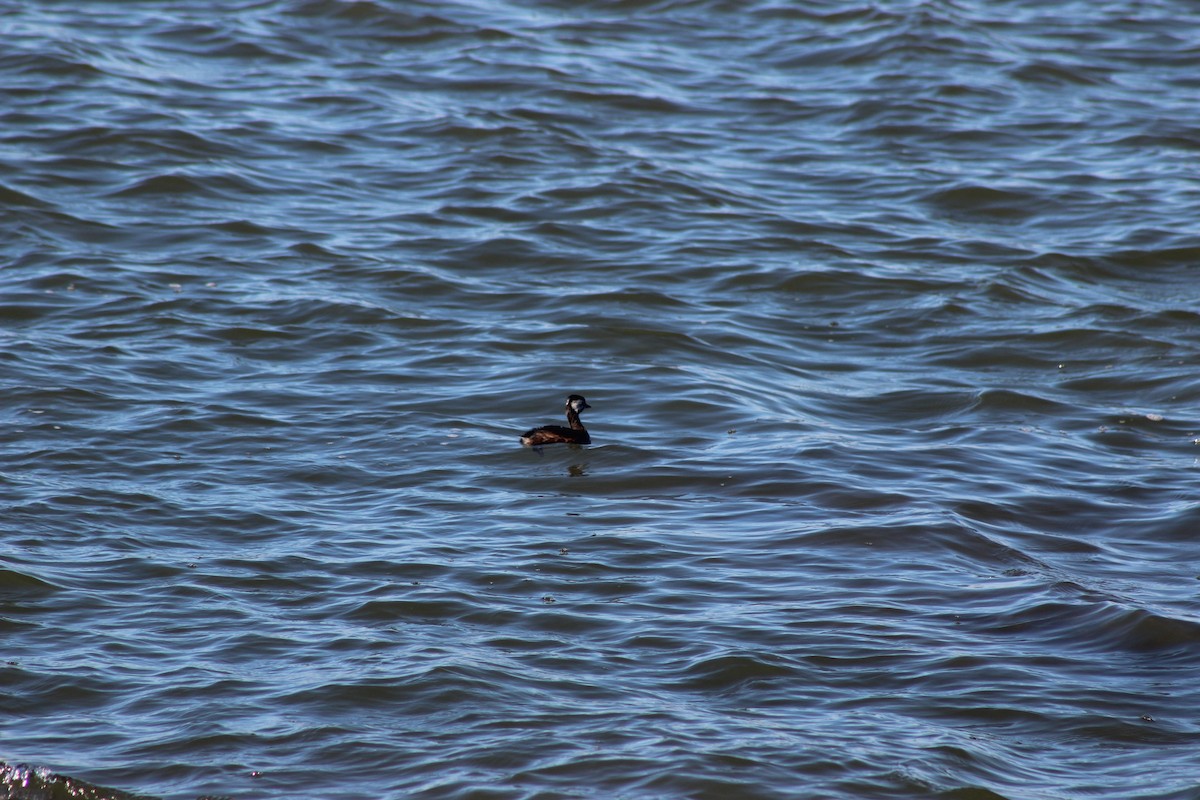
{"points": [[888, 316]]}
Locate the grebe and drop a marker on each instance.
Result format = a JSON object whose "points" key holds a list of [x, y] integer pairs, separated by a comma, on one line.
{"points": [[553, 434]]}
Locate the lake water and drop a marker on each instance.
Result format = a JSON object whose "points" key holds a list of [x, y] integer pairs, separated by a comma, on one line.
{"points": [[889, 318]]}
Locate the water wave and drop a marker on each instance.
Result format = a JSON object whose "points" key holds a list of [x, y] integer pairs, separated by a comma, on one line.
{"points": [[886, 315]]}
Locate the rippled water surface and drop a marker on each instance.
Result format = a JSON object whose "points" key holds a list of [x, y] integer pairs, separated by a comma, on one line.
{"points": [[888, 314]]}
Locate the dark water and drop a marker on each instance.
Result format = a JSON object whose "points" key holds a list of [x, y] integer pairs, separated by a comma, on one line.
{"points": [[889, 315]]}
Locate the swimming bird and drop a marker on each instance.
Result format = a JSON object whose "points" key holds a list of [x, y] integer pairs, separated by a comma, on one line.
{"points": [[555, 434]]}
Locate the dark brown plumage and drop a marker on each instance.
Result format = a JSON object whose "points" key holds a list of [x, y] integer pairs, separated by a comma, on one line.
{"points": [[557, 434]]}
